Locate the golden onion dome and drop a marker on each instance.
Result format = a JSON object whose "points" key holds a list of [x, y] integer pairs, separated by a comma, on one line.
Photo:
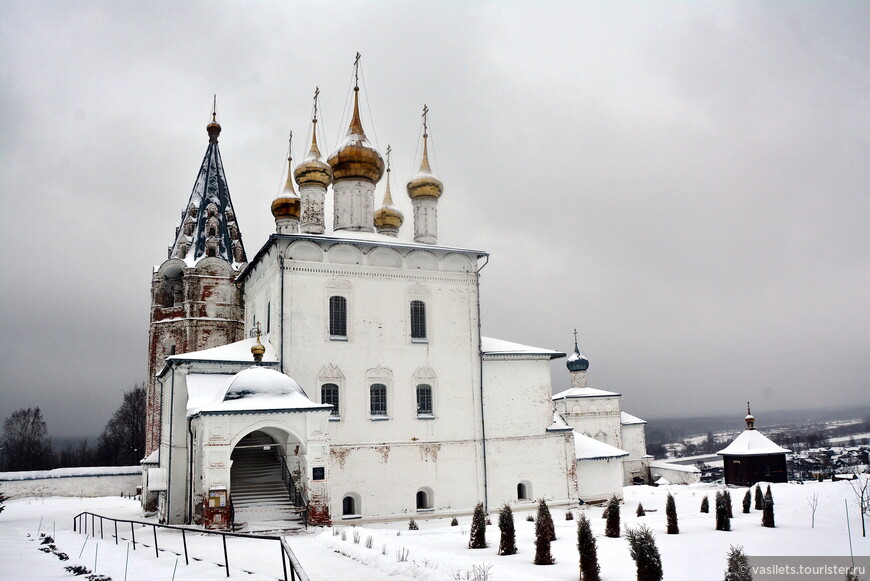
{"points": [[258, 350], [288, 204], [356, 159], [214, 130], [313, 170], [425, 184], [388, 216]]}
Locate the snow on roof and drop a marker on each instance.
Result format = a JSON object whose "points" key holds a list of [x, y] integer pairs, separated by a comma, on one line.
{"points": [[628, 419], [663, 465], [575, 392], [559, 423], [751, 443], [152, 458], [253, 389], [70, 472], [491, 346], [586, 448], [235, 352]]}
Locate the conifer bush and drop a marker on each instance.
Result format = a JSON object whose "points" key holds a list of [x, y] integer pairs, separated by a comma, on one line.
{"points": [[759, 498], [590, 570], [671, 512], [454, 522], [544, 513], [544, 532], [738, 565], [705, 504], [412, 525], [728, 506], [478, 528], [530, 518], [640, 510], [508, 543], [723, 523], [643, 549], [747, 502], [611, 529], [767, 519], [569, 515]]}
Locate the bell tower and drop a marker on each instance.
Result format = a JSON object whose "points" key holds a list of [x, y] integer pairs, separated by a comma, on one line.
{"points": [[195, 302]]}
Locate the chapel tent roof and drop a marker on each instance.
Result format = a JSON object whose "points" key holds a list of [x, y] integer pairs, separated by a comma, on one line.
{"points": [[752, 443], [630, 420], [586, 448], [209, 218]]}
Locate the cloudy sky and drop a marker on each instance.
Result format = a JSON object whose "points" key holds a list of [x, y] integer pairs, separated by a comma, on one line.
{"points": [[685, 183]]}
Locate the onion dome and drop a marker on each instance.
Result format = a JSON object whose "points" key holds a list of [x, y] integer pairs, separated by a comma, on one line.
{"points": [[213, 129], [577, 361], [388, 218], [313, 170], [258, 349], [356, 159], [288, 203], [425, 184]]}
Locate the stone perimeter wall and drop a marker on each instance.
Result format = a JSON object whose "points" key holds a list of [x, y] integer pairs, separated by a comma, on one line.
{"points": [[88, 485]]}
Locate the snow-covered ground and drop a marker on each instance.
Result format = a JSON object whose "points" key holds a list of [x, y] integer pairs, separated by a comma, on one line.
{"points": [[437, 551]]}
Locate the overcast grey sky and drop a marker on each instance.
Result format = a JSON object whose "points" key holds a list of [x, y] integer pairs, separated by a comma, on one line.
{"points": [[685, 183]]}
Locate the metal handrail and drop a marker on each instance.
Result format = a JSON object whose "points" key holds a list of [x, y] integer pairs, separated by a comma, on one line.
{"points": [[293, 490], [80, 525]]}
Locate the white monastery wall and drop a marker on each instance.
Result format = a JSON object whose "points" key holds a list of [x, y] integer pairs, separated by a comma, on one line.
{"points": [[599, 479], [81, 482], [597, 417]]}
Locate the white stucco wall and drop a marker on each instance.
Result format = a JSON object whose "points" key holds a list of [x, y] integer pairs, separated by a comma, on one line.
{"points": [[599, 479], [87, 482]]}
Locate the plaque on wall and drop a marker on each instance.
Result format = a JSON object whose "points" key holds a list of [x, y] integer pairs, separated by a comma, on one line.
{"points": [[318, 473]]}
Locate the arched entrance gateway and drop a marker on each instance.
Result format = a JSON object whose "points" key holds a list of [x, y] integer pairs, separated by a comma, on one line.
{"points": [[268, 477]]}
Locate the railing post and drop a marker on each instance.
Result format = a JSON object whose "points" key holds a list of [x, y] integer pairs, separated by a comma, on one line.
{"points": [[184, 542], [156, 551], [283, 562], [93, 524], [101, 528], [116, 532], [133, 534], [226, 558]]}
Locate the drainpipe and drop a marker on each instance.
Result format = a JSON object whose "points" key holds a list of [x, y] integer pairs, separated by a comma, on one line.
{"points": [[281, 313], [482, 414], [189, 472], [169, 463]]}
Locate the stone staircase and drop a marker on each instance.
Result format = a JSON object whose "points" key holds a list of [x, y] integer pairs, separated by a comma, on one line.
{"points": [[258, 493]]}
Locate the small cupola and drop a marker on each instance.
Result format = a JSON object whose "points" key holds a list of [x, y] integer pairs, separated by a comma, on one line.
{"points": [[313, 170], [424, 183], [577, 361], [286, 207], [388, 218]]}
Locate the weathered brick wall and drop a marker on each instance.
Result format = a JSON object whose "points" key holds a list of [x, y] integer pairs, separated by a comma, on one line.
{"points": [[206, 311]]}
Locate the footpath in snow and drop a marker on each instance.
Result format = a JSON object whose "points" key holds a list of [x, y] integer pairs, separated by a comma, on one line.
{"points": [[437, 551]]}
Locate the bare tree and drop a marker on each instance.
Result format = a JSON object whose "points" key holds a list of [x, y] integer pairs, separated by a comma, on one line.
{"points": [[122, 442], [813, 501], [26, 445], [861, 488]]}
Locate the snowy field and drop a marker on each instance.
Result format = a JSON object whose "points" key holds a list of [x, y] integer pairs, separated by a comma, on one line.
{"points": [[437, 551]]}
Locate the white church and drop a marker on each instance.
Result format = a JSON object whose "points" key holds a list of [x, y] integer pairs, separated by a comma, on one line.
{"points": [[340, 373]]}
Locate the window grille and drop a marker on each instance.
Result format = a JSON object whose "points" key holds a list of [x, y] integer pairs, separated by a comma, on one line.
{"points": [[337, 316], [424, 399], [329, 395], [418, 320], [378, 404]]}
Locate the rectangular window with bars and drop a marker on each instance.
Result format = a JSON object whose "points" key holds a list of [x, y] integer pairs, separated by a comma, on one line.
{"points": [[418, 320], [329, 395], [337, 316], [378, 399], [424, 399]]}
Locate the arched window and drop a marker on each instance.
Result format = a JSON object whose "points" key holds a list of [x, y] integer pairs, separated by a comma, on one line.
{"points": [[424, 399], [425, 498], [524, 490], [337, 316], [418, 320], [348, 505], [329, 395], [378, 399]]}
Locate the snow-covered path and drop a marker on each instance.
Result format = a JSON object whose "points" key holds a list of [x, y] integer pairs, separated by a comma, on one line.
{"points": [[437, 551]]}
